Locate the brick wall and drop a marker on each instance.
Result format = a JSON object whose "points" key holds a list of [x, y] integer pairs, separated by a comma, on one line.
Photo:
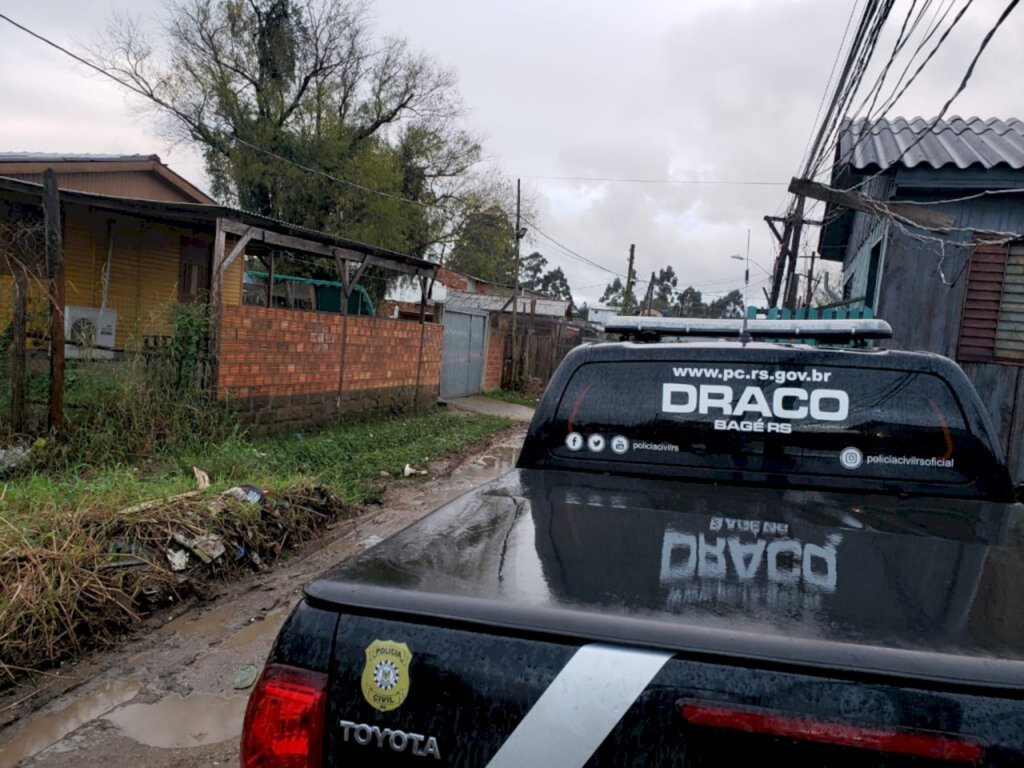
{"points": [[495, 359], [283, 367]]}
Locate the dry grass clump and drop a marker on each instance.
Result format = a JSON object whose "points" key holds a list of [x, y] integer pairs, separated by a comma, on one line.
{"points": [[83, 579]]}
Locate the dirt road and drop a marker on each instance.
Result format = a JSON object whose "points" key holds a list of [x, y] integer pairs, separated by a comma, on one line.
{"points": [[166, 697]]}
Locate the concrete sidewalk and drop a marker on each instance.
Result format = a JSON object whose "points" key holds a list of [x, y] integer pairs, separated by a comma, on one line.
{"points": [[491, 407]]}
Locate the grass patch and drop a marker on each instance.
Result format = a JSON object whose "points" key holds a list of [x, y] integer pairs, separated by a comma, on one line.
{"points": [[347, 458], [512, 396], [74, 575]]}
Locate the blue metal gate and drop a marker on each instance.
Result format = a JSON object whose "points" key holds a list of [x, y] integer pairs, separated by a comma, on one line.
{"points": [[462, 362]]}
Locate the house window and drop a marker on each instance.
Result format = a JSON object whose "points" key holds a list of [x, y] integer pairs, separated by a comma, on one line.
{"points": [[992, 320]]}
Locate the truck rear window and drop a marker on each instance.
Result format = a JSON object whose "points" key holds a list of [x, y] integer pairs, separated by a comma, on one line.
{"points": [[822, 420]]}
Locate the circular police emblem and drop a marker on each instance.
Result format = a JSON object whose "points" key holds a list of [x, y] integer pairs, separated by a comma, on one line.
{"points": [[851, 458], [386, 675]]}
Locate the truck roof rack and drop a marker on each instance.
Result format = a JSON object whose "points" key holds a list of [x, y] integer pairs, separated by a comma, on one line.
{"points": [[834, 331]]}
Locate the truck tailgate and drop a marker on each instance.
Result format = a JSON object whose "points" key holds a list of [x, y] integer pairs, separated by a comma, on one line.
{"points": [[406, 693]]}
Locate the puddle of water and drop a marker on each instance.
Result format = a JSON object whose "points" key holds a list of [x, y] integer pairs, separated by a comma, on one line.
{"points": [[208, 625], [257, 630], [49, 729], [177, 722]]}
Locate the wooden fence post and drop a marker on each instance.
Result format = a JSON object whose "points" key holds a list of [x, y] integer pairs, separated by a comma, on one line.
{"points": [[20, 309], [55, 273]]}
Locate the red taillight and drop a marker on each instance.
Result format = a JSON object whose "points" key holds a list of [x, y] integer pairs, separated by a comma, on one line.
{"points": [[917, 744], [284, 721]]}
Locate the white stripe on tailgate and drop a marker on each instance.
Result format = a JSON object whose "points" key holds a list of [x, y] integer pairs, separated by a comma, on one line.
{"points": [[580, 707]]}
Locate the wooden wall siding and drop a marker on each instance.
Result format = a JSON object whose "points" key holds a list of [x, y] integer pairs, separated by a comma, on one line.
{"points": [[1009, 340], [922, 310], [980, 316], [143, 185], [1001, 388], [144, 272]]}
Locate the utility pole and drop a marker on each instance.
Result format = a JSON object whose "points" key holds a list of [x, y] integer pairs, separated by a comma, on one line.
{"points": [[649, 299], [629, 280], [810, 281], [55, 273], [515, 292], [789, 297]]}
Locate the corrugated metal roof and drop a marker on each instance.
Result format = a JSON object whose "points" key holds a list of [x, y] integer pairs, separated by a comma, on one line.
{"points": [[56, 157], [956, 142], [494, 303]]}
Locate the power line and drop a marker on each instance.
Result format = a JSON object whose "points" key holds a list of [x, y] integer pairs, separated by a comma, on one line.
{"points": [[959, 89], [573, 253], [720, 182]]}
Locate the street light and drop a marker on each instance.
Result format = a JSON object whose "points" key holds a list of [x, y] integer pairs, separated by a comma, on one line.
{"points": [[744, 336]]}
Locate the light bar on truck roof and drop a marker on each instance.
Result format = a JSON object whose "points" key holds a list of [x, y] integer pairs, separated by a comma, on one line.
{"points": [[817, 330]]}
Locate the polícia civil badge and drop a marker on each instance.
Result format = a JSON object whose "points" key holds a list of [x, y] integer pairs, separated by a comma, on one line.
{"points": [[386, 675]]}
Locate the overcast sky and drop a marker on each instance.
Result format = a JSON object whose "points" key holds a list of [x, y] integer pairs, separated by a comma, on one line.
{"points": [[715, 90]]}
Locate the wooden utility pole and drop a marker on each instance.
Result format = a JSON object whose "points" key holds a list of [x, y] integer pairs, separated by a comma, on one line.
{"points": [[810, 281], [789, 297], [18, 347], [55, 274], [515, 291], [629, 280], [649, 299]]}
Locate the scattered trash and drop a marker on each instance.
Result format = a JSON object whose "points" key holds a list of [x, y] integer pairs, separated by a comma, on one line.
{"points": [[157, 503], [207, 548], [178, 558], [410, 470], [245, 677], [385, 474], [10, 458], [370, 541], [250, 494], [202, 479]]}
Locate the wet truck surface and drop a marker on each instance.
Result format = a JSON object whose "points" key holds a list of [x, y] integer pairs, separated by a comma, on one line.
{"points": [[711, 553]]}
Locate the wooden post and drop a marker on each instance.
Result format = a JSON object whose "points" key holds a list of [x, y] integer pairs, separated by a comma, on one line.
{"points": [[423, 330], [18, 349], [55, 272], [270, 278], [215, 308], [343, 274]]}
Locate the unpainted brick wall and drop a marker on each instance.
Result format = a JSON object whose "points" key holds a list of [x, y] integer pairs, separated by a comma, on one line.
{"points": [[281, 359], [495, 359]]}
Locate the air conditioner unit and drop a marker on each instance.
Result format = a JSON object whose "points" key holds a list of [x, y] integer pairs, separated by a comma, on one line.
{"points": [[86, 328]]}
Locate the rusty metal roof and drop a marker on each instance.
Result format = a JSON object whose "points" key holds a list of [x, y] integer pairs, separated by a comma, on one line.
{"points": [[495, 303], [956, 142]]}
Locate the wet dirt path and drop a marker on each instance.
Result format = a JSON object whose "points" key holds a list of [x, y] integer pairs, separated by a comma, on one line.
{"points": [[166, 697]]}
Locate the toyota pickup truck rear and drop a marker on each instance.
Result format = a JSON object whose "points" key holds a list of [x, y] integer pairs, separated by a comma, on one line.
{"points": [[662, 581]]}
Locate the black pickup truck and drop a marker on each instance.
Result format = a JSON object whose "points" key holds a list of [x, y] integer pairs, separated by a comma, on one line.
{"points": [[710, 553]]}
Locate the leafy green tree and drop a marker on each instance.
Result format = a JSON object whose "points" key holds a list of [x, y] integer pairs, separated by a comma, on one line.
{"points": [[531, 271], [485, 247], [665, 282], [689, 303], [612, 296], [309, 82], [728, 306]]}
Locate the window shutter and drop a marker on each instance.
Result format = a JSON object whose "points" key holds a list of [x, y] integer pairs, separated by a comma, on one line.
{"points": [[1010, 330], [980, 320]]}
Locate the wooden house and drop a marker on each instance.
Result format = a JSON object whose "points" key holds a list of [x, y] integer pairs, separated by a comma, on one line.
{"points": [[957, 290]]}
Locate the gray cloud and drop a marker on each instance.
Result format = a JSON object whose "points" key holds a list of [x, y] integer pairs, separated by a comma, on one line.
{"points": [[707, 89]]}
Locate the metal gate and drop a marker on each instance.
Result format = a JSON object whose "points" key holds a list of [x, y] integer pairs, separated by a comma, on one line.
{"points": [[462, 363]]}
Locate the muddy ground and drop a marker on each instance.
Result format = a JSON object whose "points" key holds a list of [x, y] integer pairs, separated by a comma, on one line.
{"points": [[165, 697]]}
